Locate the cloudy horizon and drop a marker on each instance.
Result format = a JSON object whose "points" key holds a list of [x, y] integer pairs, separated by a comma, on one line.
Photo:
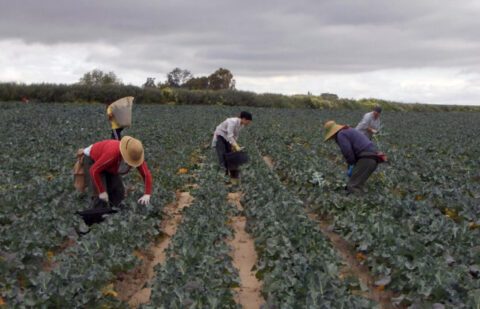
{"points": [[406, 51]]}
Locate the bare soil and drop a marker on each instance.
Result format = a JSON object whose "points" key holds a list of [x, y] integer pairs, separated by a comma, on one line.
{"points": [[130, 285], [268, 160], [244, 258]]}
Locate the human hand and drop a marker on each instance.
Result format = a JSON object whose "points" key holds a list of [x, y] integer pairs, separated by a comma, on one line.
{"points": [[144, 200], [236, 147], [103, 196]]}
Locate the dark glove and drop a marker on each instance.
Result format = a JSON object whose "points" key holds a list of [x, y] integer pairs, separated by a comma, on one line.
{"points": [[350, 170]]}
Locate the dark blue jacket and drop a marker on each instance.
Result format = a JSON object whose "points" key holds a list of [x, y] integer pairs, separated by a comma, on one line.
{"points": [[352, 143]]}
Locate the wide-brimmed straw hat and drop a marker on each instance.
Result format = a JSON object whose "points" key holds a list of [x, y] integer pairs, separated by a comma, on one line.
{"points": [[132, 151], [331, 128]]}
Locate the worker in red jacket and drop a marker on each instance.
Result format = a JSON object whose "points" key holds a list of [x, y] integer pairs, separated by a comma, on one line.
{"points": [[106, 161]]}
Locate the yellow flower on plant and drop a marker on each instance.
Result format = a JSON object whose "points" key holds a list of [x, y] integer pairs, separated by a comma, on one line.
{"points": [[380, 176], [360, 256], [138, 255], [450, 213], [108, 290], [381, 288], [182, 171]]}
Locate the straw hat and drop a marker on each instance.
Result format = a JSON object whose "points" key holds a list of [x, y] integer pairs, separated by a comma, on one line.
{"points": [[132, 151], [331, 128]]}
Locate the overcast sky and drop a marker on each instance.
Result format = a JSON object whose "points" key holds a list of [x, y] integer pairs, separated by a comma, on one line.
{"points": [[412, 51]]}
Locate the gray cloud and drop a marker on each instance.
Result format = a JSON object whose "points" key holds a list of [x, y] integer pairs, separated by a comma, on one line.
{"points": [[255, 38], [267, 37]]}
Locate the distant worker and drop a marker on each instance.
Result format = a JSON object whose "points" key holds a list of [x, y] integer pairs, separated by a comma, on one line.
{"points": [[120, 115], [359, 152], [104, 163], [226, 136], [116, 129], [370, 123]]}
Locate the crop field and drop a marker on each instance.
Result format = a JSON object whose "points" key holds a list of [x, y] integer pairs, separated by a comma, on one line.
{"points": [[412, 241]]}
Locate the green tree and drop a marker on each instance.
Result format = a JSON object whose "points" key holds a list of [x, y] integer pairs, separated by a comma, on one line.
{"points": [[329, 97], [178, 77], [197, 83], [99, 78], [221, 79], [150, 83]]}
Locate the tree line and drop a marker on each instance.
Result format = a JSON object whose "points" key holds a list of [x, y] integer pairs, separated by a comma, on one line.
{"points": [[182, 88], [221, 79]]}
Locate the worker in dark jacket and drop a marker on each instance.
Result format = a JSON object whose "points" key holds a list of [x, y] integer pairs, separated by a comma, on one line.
{"points": [[359, 152]]}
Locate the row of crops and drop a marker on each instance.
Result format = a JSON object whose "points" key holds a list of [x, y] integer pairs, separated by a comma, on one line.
{"points": [[418, 226], [297, 263], [44, 262], [417, 229]]}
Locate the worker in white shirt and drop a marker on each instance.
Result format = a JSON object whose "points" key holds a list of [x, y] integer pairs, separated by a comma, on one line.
{"points": [[370, 123], [226, 135]]}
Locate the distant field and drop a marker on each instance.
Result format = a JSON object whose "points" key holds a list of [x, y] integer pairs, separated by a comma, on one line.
{"points": [[417, 232]]}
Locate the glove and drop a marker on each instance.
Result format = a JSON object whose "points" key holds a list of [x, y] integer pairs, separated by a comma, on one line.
{"points": [[350, 170], [103, 196], [235, 147], [374, 131], [144, 200]]}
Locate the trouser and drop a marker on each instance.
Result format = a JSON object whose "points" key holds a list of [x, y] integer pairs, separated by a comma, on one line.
{"points": [[223, 147], [112, 182], [117, 134], [362, 170]]}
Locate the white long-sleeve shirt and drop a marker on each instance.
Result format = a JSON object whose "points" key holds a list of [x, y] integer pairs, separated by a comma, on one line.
{"points": [[368, 121], [229, 130]]}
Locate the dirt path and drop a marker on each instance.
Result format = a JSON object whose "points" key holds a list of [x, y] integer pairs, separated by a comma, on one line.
{"points": [[244, 258], [268, 160], [384, 298], [130, 286]]}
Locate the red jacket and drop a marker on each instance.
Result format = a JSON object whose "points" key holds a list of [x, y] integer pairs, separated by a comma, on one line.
{"points": [[107, 157]]}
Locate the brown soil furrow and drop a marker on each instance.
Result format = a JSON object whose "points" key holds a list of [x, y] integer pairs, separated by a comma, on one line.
{"points": [[130, 285], [244, 259], [383, 297], [268, 160]]}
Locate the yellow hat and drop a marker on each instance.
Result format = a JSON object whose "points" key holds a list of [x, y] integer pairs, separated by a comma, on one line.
{"points": [[132, 151], [331, 128]]}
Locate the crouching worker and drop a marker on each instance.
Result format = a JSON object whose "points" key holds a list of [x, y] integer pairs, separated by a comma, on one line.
{"points": [[360, 153], [104, 163], [226, 136]]}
